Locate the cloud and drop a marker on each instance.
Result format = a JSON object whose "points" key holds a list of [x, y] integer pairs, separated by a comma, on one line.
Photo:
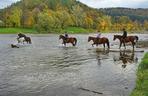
{"points": [[98, 3], [5, 3], [116, 3]]}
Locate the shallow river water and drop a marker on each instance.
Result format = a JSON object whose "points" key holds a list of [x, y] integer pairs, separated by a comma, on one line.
{"points": [[46, 68]]}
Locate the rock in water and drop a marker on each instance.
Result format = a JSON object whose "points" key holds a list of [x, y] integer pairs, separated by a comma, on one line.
{"points": [[14, 46]]}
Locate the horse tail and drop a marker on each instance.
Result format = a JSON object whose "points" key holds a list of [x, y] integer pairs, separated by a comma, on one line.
{"points": [[75, 41], [137, 38], [108, 43]]}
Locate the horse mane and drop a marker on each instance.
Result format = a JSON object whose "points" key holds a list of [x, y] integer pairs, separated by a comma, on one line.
{"points": [[118, 35]]}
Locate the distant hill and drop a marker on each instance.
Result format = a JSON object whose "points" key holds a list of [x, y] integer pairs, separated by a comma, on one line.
{"points": [[134, 14], [57, 15]]}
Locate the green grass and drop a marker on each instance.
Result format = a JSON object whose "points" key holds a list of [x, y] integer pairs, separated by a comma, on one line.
{"points": [[17, 30], [72, 30], [142, 78]]}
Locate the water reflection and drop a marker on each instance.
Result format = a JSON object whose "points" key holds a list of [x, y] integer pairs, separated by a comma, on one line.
{"points": [[126, 58], [99, 55]]}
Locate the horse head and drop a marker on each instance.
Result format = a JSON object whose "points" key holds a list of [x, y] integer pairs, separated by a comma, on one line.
{"points": [[117, 37], [21, 35], [89, 39], [61, 37]]}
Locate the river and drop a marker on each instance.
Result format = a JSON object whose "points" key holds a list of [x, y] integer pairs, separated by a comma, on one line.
{"points": [[46, 68]]}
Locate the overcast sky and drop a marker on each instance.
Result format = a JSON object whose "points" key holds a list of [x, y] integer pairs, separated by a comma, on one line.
{"points": [[98, 3]]}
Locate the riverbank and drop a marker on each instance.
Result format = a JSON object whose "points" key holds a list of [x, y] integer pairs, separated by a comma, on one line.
{"points": [[17, 30], [142, 78], [70, 30]]}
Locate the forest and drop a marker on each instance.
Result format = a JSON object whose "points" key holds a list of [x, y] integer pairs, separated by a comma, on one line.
{"points": [[49, 16]]}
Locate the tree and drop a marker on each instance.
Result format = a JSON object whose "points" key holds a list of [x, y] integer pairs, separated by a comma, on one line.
{"points": [[28, 19], [105, 23], [88, 22], [15, 17], [64, 17], [145, 25], [78, 15]]}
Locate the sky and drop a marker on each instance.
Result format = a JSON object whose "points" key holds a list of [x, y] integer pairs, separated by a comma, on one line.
{"points": [[116, 3], [98, 3]]}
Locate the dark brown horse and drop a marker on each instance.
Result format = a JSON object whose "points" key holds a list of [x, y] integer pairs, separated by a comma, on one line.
{"points": [[28, 40], [132, 39], [97, 41], [71, 40]]}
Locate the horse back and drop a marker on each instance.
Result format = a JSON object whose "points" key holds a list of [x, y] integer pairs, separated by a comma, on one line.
{"points": [[71, 39]]}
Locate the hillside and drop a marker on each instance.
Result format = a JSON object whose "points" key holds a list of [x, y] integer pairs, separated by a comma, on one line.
{"points": [[58, 15], [134, 14]]}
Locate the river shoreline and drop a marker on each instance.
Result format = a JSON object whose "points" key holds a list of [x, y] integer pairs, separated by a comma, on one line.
{"points": [[142, 81]]}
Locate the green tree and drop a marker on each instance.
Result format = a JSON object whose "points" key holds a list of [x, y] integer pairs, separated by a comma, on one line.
{"points": [[78, 15], [64, 17], [15, 17]]}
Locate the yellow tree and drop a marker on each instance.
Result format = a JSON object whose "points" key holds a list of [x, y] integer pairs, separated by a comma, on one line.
{"points": [[28, 19], [105, 23], [145, 25], [88, 22], [64, 17]]}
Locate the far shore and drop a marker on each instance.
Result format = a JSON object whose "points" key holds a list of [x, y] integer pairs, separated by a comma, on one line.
{"points": [[68, 30]]}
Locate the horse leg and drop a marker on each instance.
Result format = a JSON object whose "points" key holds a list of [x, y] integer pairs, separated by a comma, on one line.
{"points": [[73, 44], [92, 45], [23, 41], [133, 43], [65, 44], [124, 45], [104, 45], [120, 45], [97, 45]]}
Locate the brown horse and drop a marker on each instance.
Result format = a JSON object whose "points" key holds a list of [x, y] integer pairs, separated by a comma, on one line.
{"points": [[131, 39], [71, 40], [97, 41]]}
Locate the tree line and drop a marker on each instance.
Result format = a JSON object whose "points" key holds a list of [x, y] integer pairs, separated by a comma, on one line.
{"points": [[56, 15]]}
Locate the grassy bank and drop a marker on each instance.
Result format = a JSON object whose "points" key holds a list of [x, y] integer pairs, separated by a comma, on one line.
{"points": [[16, 30], [142, 78], [72, 30]]}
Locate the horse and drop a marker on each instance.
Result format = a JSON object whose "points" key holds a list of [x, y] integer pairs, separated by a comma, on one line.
{"points": [[24, 39], [97, 41], [71, 40], [131, 39]]}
